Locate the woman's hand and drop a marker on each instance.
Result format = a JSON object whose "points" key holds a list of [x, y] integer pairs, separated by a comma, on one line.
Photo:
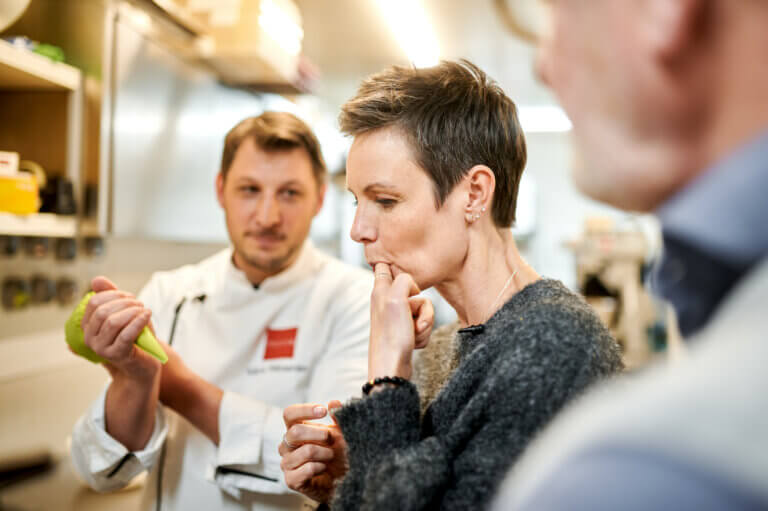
{"points": [[423, 313], [400, 322], [314, 456]]}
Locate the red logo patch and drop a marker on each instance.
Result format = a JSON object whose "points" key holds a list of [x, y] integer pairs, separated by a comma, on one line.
{"points": [[280, 343]]}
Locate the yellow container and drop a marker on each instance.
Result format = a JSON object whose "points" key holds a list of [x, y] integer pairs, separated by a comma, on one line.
{"points": [[19, 194]]}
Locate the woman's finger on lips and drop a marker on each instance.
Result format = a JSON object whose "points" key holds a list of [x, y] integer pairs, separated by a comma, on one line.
{"points": [[382, 279], [382, 270]]}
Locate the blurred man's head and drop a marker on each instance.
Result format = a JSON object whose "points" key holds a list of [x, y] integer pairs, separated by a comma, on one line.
{"points": [[657, 90], [271, 185]]}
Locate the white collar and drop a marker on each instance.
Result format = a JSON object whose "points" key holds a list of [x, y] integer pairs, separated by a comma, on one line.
{"points": [[235, 288]]}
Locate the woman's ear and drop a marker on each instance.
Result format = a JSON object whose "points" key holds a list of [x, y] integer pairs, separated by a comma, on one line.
{"points": [[481, 183]]}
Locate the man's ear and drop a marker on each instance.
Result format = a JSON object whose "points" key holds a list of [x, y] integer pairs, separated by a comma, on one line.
{"points": [[321, 197], [671, 26], [220, 188], [481, 183]]}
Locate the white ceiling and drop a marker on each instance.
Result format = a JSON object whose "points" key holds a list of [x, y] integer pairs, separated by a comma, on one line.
{"points": [[348, 40]]}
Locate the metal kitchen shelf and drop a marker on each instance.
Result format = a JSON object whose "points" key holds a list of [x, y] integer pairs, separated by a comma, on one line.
{"points": [[24, 70], [40, 224]]}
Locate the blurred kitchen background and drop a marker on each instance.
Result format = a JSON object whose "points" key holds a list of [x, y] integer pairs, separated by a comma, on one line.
{"points": [[112, 118]]}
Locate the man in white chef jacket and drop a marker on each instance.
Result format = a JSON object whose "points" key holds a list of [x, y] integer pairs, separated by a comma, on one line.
{"points": [[269, 322]]}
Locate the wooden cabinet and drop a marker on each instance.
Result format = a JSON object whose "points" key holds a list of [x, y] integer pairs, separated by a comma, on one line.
{"points": [[41, 118]]}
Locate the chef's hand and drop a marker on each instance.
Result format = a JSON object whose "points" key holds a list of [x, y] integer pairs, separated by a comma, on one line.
{"points": [[400, 323], [112, 321], [314, 456]]}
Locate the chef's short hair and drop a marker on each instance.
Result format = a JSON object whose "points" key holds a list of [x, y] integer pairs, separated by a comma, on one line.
{"points": [[274, 131], [453, 117]]}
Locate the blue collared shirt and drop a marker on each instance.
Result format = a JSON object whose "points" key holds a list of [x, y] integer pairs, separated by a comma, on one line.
{"points": [[715, 230]]}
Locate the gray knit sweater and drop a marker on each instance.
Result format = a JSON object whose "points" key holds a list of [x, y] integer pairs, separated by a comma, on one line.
{"points": [[544, 346]]}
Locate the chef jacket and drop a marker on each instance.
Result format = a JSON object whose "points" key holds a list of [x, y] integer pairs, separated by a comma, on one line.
{"points": [[300, 336]]}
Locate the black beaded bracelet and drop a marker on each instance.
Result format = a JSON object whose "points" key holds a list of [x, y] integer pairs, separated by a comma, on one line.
{"points": [[394, 380]]}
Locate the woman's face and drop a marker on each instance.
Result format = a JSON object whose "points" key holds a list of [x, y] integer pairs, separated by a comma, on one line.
{"points": [[396, 217]]}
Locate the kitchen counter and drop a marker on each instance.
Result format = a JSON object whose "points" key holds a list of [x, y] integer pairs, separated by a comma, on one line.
{"points": [[43, 390], [61, 490]]}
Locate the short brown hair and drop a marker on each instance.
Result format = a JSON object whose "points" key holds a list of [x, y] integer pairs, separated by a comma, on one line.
{"points": [[274, 131], [454, 117]]}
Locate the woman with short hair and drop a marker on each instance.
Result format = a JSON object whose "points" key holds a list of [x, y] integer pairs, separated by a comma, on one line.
{"points": [[435, 168]]}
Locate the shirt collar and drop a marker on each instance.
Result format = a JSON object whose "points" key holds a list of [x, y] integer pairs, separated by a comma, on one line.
{"points": [[306, 264], [714, 232], [725, 210], [235, 288]]}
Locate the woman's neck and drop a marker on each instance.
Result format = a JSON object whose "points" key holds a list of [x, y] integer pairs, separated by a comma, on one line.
{"points": [[492, 272]]}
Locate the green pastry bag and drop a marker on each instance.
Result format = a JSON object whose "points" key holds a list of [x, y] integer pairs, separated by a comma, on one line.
{"points": [[76, 338]]}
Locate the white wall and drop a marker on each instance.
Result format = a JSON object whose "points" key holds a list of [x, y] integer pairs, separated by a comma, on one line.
{"points": [[560, 208]]}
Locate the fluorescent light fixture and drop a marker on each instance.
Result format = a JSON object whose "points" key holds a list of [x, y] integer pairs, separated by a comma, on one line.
{"points": [[280, 25], [412, 29], [543, 119]]}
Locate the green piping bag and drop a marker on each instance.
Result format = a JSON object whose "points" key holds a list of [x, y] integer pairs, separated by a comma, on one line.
{"points": [[76, 338]]}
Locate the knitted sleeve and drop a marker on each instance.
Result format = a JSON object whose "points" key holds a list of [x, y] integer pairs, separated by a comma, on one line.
{"points": [[516, 391], [384, 450]]}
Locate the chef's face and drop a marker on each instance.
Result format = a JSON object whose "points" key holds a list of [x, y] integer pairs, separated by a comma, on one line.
{"points": [[397, 219], [269, 200]]}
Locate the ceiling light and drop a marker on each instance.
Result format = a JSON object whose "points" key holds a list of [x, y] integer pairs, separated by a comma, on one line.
{"points": [[543, 119], [412, 29]]}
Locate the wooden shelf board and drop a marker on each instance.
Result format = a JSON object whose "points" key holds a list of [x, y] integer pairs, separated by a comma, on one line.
{"points": [[23, 70], [40, 224]]}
